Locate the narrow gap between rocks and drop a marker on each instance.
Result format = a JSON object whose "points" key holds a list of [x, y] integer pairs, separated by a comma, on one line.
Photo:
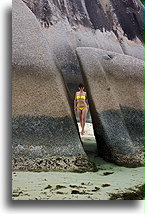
{"points": [[88, 139]]}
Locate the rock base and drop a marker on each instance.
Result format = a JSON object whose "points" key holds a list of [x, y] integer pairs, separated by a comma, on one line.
{"points": [[134, 160], [71, 164]]}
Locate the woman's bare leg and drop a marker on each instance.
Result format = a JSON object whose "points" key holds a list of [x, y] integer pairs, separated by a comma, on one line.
{"points": [[84, 115], [80, 116]]}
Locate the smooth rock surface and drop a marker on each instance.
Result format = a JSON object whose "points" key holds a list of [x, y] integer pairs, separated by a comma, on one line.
{"points": [[43, 124], [115, 90], [104, 24]]}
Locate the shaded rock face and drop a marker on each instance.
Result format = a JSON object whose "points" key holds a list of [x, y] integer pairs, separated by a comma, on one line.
{"points": [[106, 24], [115, 89], [132, 21], [43, 124]]}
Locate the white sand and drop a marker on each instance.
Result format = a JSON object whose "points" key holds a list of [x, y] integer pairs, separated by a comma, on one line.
{"points": [[77, 186]]}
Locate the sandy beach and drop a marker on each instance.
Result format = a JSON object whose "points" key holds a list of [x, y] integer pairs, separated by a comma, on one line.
{"points": [[109, 182]]}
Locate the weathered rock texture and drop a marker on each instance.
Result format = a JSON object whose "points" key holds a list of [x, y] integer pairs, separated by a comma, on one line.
{"points": [[106, 24], [46, 71], [43, 125], [115, 89]]}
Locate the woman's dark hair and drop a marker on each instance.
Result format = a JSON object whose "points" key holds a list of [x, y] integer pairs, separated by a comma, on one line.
{"points": [[81, 85]]}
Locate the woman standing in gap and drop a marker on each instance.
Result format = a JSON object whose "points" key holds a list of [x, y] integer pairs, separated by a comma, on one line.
{"points": [[81, 106]]}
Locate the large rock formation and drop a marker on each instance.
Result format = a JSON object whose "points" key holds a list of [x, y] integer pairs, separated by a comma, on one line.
{"points": [[46, 71], [105, 24], [44, 132], [115, 90]]}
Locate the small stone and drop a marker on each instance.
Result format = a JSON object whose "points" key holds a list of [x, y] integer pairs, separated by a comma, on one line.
{"points": [[60, 193], [60, 186], [48, 187], [105, 185], [107, 173]]}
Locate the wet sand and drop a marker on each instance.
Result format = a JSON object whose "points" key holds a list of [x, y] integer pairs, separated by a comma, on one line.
{"points": [[100, 185]]}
